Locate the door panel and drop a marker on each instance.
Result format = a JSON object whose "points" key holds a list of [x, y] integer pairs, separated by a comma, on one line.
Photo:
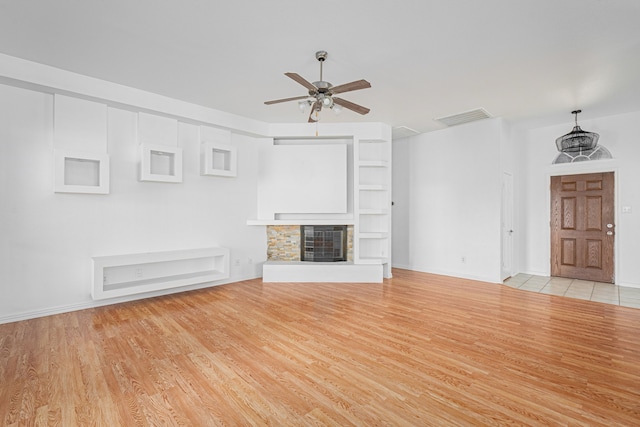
{"points": [[568, 252], [568, 213], [581, 208]]}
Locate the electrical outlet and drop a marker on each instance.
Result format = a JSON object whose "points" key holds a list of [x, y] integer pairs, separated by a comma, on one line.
{"points": [[138, 273], [463, 260]]}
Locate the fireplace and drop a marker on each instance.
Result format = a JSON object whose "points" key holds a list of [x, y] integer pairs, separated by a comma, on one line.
{"points": [[323, 243], [285, 242]]}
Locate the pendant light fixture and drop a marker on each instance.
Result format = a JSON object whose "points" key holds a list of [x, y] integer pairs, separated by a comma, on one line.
{"points": [[577, 139]]}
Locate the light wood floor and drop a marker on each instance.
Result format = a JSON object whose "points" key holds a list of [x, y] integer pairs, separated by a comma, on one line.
{"points": [[417, 350]]}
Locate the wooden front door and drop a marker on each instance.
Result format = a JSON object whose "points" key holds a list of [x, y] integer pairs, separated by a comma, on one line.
{"points": [[582, 227]]}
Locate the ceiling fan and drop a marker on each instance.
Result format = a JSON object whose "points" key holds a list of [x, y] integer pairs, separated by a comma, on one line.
{"points": [[321, 93]]}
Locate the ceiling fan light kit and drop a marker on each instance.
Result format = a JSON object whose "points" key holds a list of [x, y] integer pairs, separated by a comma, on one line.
{"points": [[321, 94]]}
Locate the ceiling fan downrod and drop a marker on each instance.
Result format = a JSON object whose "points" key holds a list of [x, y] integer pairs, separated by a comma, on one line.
{"points": [[321, 55]]}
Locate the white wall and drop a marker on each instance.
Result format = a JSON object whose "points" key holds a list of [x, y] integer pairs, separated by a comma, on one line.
{"points": [[536, 148], [455, 200], [48, 238]]}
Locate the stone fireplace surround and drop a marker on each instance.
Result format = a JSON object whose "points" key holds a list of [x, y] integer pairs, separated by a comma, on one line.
{"points": [[283, 243]]}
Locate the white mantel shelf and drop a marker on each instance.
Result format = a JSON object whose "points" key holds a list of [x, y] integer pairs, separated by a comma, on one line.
{"points": [[343, 221]]}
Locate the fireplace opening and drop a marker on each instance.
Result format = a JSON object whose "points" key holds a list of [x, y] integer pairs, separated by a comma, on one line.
{"points": [[323, 243]]}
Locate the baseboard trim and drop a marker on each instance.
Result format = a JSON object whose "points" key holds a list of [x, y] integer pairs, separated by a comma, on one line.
{"points": [[401, 266], [455, 274]]}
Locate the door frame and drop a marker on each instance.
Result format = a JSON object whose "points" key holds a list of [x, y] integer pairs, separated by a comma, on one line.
{"points": [[594, 166], [507, 219]]}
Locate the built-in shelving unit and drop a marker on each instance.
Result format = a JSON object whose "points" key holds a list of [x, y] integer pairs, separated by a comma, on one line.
{"points": [[368, 199], [119, 275], [373, 202]]}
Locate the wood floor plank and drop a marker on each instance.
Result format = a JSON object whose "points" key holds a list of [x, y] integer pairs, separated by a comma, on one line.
{"points": [[418, 349]]}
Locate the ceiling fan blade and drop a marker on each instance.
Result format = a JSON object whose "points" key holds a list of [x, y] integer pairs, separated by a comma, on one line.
{"points": [[351, 106], [348, 87], [295, 98], [298, 78], [317, 106]]}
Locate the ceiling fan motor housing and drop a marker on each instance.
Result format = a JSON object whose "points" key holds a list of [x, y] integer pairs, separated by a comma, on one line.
{"points": [[322, 86]]}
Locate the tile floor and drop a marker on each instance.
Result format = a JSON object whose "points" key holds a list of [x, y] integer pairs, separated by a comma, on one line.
{"points": [[574, 288]]}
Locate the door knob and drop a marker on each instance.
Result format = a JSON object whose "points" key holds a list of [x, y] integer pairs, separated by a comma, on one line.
{"points": [[609, 233], [609, 225]]}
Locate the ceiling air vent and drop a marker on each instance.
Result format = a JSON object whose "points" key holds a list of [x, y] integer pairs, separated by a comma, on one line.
{"points": [[466, 117]]}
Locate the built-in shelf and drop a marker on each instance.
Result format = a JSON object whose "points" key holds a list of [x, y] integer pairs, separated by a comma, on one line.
{"points": [[373, 200], [176, 278], [120, 275], [374, 212], [372, 187], [374, 163]]}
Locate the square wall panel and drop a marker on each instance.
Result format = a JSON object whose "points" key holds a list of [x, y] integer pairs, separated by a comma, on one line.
{"points": [[154, 129], [79, 124]]}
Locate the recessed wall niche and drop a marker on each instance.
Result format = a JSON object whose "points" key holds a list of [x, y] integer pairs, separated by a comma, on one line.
{"points": [[160, 163], [218, 159], [81, 172], [217, 156]]}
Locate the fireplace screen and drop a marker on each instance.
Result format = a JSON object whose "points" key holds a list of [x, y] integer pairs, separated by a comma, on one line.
{"points": [[322, 243]]}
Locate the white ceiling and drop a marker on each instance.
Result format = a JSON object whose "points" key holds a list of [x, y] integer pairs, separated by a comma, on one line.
{"points": [[525, 60]]}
